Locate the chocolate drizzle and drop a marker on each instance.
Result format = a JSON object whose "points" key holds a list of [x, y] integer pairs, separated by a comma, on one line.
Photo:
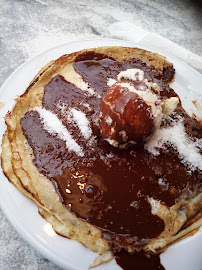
{"points": [[138, 261], [108, 187]]}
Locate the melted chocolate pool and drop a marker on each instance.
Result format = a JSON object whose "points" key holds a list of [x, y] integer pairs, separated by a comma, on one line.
{"points": [[107, 187], [138, 261]]}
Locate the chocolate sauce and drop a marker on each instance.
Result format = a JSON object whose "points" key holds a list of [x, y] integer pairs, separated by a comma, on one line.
{"points": [[138, 261], [97, 68], [108, 187]]}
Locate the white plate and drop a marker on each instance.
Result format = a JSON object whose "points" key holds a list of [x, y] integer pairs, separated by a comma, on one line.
{"points": [[22, 212]]}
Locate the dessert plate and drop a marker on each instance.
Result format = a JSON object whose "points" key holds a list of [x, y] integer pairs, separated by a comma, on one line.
{"points": [[22, 212]]}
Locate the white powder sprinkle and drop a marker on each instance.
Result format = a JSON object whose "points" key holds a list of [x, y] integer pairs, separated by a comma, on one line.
{"points": [[111, 82], [79, 117], [155, 205], [110, 155], [54, 126], [63, 107], [87, 106], [86, 88], [82, 122], [163, 184], [176, 135]]}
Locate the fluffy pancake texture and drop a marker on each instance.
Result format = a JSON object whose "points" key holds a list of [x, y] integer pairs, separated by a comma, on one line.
{"points": [[180, 219]]}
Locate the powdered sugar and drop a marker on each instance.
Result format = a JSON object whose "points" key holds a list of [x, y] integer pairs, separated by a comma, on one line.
{"points": [[62, 107], [80, 118], [155, 205], [86, 88], [54, 126], [163, 184], [87, 106], [176, 136]]}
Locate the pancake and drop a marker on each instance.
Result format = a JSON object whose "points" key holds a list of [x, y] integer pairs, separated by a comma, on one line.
{"points": [[111, 193]]}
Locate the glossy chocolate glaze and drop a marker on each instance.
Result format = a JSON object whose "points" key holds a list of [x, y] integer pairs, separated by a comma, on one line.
{"points": [[117, 105], [138, 261], [96, 68], [108, 187]]}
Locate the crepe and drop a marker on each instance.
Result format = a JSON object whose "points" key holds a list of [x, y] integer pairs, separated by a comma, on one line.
{"points": [[17, 163]]}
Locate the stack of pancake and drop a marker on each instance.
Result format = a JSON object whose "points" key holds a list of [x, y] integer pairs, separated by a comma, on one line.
{"points": [[108, 198]]}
